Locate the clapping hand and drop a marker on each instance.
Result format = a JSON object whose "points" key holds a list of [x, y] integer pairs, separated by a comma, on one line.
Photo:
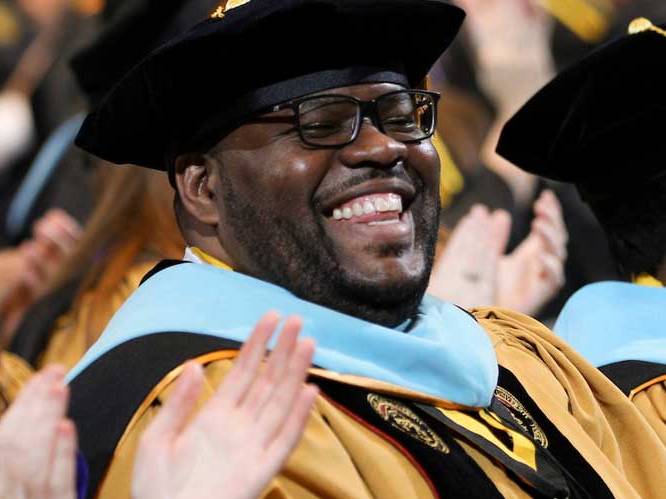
{"points": [[241, 438]]}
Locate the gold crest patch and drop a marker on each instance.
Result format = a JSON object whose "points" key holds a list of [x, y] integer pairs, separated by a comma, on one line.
{"points": [[226, 7], [404, 419], [521, 416]]}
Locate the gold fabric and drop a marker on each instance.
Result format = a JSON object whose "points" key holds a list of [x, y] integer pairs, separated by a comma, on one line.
{"points": [[651, 402], [339, 457], [80, 327], [589, 410], [14, 373]]}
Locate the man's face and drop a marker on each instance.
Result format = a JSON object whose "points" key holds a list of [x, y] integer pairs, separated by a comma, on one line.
{"points": [[285, 213]]}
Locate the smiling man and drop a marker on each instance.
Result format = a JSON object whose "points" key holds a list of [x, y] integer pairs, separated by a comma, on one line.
{"points": [[348, 183], [297, 136]]}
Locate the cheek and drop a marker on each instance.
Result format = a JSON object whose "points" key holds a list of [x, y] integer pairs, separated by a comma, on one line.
{"points": [[425, 161], [280, 176]]}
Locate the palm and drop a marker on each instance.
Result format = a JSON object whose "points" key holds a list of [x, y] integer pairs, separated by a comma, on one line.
{"points": [[521, 283], [533, 274], [210, 455], [241, 437]]}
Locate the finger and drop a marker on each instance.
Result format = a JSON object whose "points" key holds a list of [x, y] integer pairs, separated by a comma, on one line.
{"points": [[173, 416], [57, 239], [474, 235], [66, 222], [260, 391], [460, 233], [43, 254], [291, 432], [501, 230], [549, 207], [552, 271], [34, 425], [62, 480], [240, 378], [34, 255], [553, 238], [37, 265], [285, 390], [31, 402]]}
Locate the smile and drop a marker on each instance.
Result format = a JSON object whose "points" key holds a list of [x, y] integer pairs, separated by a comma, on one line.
{"points": [[382, 208]]}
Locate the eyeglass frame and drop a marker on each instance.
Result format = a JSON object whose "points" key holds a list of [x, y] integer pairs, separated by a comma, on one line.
{"points": [[365, 109]]}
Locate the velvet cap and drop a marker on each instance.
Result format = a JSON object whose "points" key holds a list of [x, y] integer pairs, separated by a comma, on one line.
{"points": [[252, 55], [601, 123], [129, 30]]}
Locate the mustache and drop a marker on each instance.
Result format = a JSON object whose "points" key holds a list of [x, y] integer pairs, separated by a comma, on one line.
{"points": [[362, 177]]}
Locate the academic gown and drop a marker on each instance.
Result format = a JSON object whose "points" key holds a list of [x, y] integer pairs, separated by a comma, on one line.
{"points": [[61, 327], [621, 329], [14, 373], [544, 423]]}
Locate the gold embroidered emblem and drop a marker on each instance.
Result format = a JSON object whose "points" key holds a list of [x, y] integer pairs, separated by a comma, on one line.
{"points": [[521, 416], [401, 417], [226, 6]]}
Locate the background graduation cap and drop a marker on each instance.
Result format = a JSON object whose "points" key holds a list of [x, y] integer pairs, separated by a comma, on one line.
{"points": [[600, 123], [252, 55], [130, 30]]}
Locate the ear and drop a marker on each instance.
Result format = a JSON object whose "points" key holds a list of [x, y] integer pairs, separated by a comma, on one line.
{"points": [[194, 181]]}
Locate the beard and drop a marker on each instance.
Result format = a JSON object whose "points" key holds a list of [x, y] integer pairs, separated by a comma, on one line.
{"points": [[300, 257]]}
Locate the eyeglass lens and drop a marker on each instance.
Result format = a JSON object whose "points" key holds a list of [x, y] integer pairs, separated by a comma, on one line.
{"points": [[334, 120]]}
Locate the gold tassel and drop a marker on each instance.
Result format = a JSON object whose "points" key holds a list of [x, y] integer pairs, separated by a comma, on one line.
{"points": [[648, 280], [641, 25], [226, 6]]}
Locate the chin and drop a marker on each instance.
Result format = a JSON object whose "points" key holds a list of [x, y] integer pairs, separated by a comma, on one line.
{"points": [[388, 269]]}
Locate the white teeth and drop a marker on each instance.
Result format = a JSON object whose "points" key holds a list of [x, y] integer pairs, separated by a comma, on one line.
{"points": [[369, 206], [381, 205]]}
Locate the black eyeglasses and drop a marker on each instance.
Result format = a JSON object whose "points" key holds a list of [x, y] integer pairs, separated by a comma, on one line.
{"points": [[332, 120]]}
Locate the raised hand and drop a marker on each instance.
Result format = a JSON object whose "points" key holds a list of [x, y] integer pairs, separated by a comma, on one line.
{"points": [[240, 439], [37, 443], [533, 274], [466, 271], [511, 41], [55, 237]]}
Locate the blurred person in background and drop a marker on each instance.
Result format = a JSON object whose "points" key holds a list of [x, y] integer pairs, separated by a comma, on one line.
{"points": [[41, 177], [40, 208], [510, 48], [132, 226], [29, 270], [473, 269], [599, 126]]}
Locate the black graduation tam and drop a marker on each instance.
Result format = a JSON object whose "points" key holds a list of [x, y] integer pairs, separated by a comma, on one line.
{"points": [[253, 54], [601, 123], [130, 30]]}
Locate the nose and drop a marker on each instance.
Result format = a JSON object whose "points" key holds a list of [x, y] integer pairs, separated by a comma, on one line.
{"points": [[373, 148]]}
